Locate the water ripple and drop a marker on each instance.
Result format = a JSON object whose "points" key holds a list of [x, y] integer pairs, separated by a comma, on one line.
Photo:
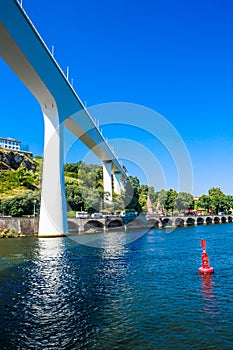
{"points": [[56, 294]]}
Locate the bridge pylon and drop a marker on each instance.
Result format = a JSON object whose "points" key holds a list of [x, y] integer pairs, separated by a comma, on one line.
{"points": [[53, 219]]}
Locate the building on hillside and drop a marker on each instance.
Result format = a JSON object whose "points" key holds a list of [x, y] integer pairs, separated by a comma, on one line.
{"points": [[14, 145], [9, 143]]}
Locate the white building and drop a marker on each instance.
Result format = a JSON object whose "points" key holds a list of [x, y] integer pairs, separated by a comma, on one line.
{"points": [[9, 143]]}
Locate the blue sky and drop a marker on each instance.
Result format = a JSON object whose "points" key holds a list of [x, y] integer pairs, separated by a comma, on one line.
{"points": [[174, 57]]}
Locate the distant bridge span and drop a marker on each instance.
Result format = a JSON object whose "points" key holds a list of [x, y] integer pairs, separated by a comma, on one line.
{"points": [[180, 221], [22, 48], [146, 222], [29, 226]]}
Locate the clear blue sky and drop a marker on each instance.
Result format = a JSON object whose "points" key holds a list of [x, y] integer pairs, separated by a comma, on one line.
{"points": [[175, 57]]}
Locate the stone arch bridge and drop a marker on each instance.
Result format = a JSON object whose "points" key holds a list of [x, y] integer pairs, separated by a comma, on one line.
{"points": [[181, 221], [105, 224], [148, 221], [81, 225]]}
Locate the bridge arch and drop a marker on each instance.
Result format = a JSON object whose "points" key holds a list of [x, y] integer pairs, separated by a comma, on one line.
{"points": [[223, 219], [200, 221], [116, 223], [73, 226], [93, 225], [179, 222], [190, 221], [166, 222], [208, 220]]}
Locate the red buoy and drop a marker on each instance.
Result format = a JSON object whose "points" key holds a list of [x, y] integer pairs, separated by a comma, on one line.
{"points": [[205, 268]]}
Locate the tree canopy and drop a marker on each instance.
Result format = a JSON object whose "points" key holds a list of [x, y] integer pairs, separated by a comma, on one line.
{"points": [[20, 190]]}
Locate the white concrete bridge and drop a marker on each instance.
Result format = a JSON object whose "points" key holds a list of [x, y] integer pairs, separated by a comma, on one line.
{"points": [[22, 48]]}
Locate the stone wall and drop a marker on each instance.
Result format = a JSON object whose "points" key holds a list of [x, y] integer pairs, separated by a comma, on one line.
{"points": [[26, 226]]}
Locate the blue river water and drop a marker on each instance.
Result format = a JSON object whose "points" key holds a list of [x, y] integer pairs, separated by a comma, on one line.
{"points": [[147, 294]]}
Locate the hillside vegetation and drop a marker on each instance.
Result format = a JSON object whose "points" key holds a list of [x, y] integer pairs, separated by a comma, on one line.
{"points": [[20, 187], [19, 174]]}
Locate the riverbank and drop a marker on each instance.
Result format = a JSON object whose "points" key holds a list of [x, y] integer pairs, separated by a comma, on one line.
{"points": [[18, 226]]}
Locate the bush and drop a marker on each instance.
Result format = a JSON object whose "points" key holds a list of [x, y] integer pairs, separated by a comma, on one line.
{"points": [[9, 233]]}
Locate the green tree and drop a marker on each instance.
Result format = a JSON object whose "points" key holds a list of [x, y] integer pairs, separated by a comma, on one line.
{"points": [[94, 201], [218, 200], [131, 195], [21, 205], [162, 197], [184, 200], [74, 197], [72, 167], [118, 204], [153, 195], [204, 202], [143, 194], [171, 200], [230, 202]]}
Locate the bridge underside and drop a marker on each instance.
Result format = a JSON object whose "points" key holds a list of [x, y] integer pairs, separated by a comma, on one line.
{"points": [[22, 48]]}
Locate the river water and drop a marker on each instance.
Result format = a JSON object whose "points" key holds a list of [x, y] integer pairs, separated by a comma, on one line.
{"points": [[57, 294]]}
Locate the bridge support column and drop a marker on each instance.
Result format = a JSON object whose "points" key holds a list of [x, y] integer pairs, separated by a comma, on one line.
{"points": [[117, 182], [107, 175], [53, 218]]}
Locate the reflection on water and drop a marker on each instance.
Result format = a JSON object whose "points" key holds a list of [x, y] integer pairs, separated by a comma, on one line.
{"points": [[210, 304], [63, 295], [56, 294], [46, 279], [103, 239], [211, 309], [207, 286]]}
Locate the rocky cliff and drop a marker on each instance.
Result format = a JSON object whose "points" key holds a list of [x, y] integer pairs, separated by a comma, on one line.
{"points": [[13, 160]]}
